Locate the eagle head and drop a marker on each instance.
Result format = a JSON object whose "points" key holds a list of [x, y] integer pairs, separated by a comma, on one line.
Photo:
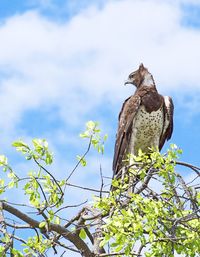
{"points": [[140, 76]]}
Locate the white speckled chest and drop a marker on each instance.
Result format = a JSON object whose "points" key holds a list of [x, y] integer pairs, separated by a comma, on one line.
{"points": [[146, 131]]}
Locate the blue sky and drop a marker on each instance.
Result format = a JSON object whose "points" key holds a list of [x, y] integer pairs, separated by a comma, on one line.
{"points": [[63, 63]]}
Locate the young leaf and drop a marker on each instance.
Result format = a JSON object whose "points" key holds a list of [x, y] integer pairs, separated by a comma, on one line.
{"points": [[82, 160], [82, 234], [42, 224]]}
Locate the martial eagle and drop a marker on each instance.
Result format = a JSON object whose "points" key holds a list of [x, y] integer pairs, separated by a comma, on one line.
{"points": [[145, 120]]}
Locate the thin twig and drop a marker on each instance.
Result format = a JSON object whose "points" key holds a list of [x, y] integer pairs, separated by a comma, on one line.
{"points": [[70, 206], [87, 188], [102, 182], [83, 156], [49, 173], [195, 168], [117, 254]]}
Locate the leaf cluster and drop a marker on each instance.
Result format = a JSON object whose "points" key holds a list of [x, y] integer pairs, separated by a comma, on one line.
{"points": [[154, 220]]}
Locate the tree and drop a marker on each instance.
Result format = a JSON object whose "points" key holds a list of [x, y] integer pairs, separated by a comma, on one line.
{"points": [[160, 217]]}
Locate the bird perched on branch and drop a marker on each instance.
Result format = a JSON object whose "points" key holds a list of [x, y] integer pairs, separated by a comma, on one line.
{"points": [[145, 120]]}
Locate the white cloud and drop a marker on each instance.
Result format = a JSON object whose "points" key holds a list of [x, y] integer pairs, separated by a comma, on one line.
{"points": [[78, 63]]}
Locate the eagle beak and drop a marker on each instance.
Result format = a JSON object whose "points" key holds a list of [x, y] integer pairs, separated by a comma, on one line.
{"points": [[128, 82]]}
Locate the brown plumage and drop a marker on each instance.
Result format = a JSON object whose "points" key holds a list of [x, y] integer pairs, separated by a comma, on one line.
{"points": [[145, 120]]}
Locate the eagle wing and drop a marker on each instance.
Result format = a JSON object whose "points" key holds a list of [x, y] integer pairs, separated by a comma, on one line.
{"points": [[168, 109], [126, 116]]}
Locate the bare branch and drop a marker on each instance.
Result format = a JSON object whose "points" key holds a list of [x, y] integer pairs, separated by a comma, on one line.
{"points": [[117, 254], [86, 188], [71, 236], [195, 168]]}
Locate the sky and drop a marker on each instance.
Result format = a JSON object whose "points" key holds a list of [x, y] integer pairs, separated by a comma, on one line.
{"points": [[64, 62]]}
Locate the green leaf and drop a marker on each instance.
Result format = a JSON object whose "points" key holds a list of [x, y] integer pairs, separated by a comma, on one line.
{"points": [[42, 224], [82, 160], [29, 157], [57, 220], [11, 184], [3, 160], [105, 137], [91, 124], [119, 248], [84, 135], [82, 234], [49, 159], [20, 144]]}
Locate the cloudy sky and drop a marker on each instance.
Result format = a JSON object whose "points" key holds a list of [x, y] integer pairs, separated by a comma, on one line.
{"points": [[64, 62]]}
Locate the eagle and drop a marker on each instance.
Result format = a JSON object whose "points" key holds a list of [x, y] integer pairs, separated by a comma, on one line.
{"points": [[145, 120]]}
